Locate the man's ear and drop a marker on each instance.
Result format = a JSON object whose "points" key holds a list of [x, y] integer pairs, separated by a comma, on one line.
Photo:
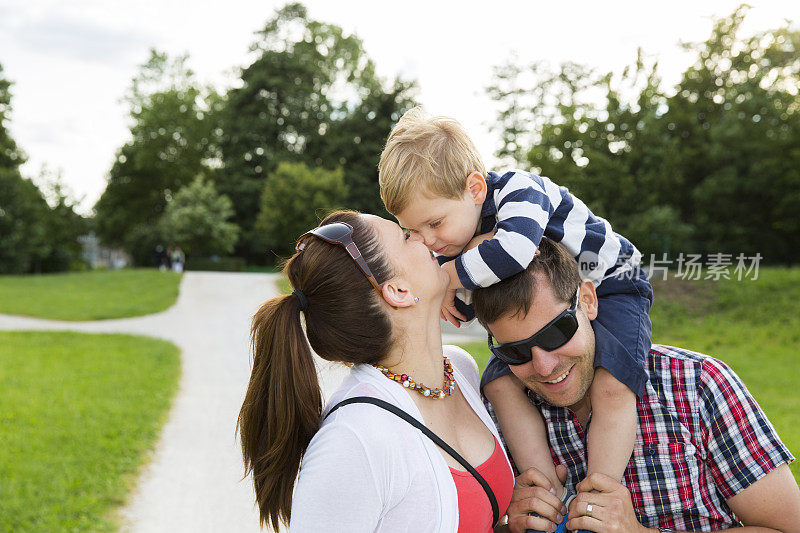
{"points": [[587, 300], [397, 293], [476, 188]]}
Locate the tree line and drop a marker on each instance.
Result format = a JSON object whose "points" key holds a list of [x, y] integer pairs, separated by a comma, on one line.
{"points": [[710, 165]]}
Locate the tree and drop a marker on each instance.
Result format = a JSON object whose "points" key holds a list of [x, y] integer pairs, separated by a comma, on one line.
{"points": [[63, 226], [735, 118], [710, 167], [22, 208], [293, 201], [197, 220], [172, 141], [310, 95]]}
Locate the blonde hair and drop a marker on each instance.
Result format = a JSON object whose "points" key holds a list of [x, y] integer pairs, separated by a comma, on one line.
{"points": [[433, 155]]}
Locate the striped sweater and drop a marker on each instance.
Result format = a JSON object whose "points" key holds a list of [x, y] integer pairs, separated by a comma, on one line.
{"points": [[522, 208]]}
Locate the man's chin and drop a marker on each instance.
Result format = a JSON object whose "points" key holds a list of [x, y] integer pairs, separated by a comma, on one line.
{"points": [[559, 401]]}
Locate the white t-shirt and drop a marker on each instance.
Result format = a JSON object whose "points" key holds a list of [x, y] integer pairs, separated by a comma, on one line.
{"points": [[366, 469]]}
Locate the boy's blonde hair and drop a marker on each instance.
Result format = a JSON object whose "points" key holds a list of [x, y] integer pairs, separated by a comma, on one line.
{"points": [[433, 155]]}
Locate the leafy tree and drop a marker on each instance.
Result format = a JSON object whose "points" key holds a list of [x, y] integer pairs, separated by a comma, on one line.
{"points": [[62, 226], [171, 142], [310, 95], [23, 212], [735, 118], [293, 201], [22, 208], [197, 220], [710, 167]]}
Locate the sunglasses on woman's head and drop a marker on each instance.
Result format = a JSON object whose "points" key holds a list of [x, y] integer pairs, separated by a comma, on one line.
{"points": [[341, 233], [552, 336]]}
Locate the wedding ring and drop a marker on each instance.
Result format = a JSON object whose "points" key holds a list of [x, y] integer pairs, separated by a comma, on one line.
{"points": [[589, 508]]}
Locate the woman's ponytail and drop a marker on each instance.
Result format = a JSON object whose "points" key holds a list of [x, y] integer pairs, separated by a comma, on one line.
{"points": [[282, 407]]}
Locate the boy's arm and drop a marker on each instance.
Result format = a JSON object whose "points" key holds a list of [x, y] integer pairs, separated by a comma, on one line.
{"points": [[523, 429], [525, 204], [450, 266]]}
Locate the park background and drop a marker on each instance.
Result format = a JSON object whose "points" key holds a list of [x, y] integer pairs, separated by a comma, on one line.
{"points": [[694, 156]]}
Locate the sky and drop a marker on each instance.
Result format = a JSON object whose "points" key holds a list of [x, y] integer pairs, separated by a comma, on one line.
{"points": [[71, 62]]}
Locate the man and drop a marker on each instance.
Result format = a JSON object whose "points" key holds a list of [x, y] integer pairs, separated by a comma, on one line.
{"points": [[705, 458]]}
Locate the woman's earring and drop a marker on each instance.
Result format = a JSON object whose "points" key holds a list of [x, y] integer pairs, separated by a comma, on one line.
{"points": [[416, 299]]}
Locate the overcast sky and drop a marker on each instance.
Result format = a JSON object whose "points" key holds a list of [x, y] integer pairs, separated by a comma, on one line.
{"points": [[71, 62]]}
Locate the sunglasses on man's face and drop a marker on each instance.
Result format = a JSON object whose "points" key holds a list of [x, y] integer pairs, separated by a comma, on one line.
{"points": [[552, 336], [341, 233]]}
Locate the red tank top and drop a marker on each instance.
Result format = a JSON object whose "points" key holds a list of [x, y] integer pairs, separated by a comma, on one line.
{"points": [[474, 509]]}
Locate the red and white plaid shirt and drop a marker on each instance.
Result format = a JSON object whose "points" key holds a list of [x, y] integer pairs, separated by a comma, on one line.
{"points": [[701, 439]]}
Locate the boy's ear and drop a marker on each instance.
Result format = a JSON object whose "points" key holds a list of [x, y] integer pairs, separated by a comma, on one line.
{"points": [[476, 187], [397, 293]]}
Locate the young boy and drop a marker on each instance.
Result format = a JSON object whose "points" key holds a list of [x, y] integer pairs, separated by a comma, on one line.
{"points": [[485, 227]]}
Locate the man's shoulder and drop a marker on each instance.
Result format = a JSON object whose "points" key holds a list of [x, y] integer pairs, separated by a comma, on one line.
{"points": [[666, 362], [670, 366], [666, 353]]}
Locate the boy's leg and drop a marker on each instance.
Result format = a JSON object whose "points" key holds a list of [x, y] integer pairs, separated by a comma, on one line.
{"points": [[613, 429], [523, 427], [622, 341]]}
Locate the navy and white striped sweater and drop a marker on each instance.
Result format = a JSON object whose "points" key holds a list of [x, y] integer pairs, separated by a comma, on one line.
{"points": [[524, 207]]}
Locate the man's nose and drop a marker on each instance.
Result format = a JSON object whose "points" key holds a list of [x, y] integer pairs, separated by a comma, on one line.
{"points": [[544, 362]]}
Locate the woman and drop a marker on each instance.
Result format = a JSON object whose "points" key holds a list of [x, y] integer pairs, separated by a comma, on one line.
{"points": [[371, 297]]}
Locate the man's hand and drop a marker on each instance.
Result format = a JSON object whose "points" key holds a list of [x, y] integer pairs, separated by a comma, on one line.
{"points": [[611, 511], [532, 495]]}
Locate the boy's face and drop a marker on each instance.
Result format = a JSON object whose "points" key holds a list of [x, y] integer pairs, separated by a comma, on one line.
{"points": [[444, 225]]}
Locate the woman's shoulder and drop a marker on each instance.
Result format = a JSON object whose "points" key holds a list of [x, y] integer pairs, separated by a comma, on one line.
{"points": [[374, 425], [464, 363]]}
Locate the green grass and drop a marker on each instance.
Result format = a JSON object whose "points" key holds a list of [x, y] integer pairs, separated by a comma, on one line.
{"points": [[283, 285], [751, 325], [78, 414], [92, 295]]}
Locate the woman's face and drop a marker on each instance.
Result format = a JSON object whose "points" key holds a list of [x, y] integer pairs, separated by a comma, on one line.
{"points": [[411, 260]]}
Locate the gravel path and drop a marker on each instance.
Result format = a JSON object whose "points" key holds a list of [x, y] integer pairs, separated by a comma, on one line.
{"points": [[193, 482]]}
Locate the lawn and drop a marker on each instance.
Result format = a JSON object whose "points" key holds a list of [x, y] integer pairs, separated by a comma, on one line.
{"points": [[283, 285], [751, 325], [78, 416], [94, 295]]}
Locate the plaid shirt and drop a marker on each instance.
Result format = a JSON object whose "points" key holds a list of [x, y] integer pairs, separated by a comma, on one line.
{"points": [[701, 439]]}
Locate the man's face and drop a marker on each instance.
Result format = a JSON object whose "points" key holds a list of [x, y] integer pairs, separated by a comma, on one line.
{"points": [[562, 376]]}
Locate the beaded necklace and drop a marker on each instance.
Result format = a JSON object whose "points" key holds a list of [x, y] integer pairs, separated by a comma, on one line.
{"points": [[408, 382]]}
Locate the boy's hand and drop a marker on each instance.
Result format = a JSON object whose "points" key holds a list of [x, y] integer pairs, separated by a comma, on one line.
{"points": [[532, 494], [476, 240], [449, 311], [450, 268]]}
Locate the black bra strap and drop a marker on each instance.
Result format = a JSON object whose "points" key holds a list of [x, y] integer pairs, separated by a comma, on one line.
{"points": [[431, 435]]}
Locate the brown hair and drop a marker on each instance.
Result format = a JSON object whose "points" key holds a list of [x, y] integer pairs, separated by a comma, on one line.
{"points": [[344, 322], [429, 154], [514, 295]]}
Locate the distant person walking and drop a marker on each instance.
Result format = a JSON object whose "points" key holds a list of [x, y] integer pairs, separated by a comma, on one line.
{"points": [[178, 259], [160, 257]]}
